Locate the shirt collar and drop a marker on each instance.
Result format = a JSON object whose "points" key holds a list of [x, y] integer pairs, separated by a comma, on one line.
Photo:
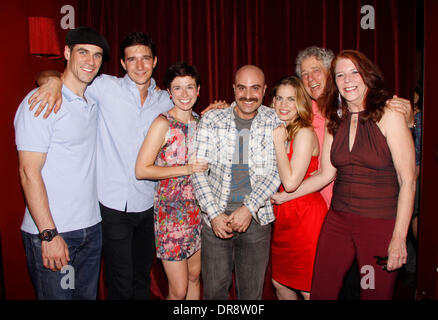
{"points": [[131, 84], [70, 95], [234, 106], [260, 113]]}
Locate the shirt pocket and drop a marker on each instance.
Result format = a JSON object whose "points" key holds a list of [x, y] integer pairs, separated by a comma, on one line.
{"points": [[258, 152], [222, 137]]}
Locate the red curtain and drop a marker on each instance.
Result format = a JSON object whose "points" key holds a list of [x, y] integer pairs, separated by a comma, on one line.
{"points": [[220, 36]]}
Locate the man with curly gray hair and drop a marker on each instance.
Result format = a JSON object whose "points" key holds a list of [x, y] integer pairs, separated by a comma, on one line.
{"points": [[312, 66]]}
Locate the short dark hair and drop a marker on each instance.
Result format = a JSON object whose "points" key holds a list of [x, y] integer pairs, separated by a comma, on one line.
{"points": [[136, 38], [180, 69]]}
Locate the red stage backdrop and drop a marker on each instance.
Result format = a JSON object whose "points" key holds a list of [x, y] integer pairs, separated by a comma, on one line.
{"points": [[220, 36]]}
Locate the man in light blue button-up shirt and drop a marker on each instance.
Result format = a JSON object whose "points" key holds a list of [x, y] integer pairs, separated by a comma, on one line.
{"points": [[126, 108], [123, 121]]}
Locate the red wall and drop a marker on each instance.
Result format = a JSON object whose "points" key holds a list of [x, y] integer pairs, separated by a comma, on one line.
{"points": [[18, 69]]}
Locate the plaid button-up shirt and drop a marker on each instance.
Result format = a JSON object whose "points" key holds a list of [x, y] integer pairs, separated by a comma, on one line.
{"points": [[215, 143]]}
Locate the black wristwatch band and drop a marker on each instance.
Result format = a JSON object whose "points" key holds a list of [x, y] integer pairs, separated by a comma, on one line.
{"points": [[48, 234]]}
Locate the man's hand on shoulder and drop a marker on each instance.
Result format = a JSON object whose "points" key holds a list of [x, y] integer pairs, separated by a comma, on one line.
{"points": [[217, 104], [48, 95], [404, 107]]}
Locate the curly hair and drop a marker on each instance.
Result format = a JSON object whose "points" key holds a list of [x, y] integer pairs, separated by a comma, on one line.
{"points": [[375, 97], [324, 55]]}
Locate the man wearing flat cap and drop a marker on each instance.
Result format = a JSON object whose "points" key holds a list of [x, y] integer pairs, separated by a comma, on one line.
{"points": [[61, 228]]}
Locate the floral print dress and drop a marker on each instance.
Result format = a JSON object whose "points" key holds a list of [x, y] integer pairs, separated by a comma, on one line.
{"points": [[177, 216]]}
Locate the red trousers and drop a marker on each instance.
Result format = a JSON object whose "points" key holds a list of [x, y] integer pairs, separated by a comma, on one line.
{"points": [[343, 238]]}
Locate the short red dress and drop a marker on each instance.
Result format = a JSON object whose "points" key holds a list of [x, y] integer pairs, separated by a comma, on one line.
{"points": [[295, 236]]}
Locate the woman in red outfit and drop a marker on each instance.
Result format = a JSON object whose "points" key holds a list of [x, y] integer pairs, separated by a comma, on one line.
{"points": [[298, 221], [369, 149]]}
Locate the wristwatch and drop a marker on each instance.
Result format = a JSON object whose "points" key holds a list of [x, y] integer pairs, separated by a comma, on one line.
{"points": [[48, 234]]}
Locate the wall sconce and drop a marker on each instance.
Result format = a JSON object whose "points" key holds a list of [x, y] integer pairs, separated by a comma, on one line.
{"points": [[43, 38]]}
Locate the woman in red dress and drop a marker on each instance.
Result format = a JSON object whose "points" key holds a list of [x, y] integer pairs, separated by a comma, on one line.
{"points": [[298, 222]]}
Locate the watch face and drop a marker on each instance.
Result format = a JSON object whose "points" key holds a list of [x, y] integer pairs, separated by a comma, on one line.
{"points": [[47, 235]]}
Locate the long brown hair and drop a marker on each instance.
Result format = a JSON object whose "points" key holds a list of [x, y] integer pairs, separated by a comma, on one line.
{"points": [[303, 104], [375, 98]]}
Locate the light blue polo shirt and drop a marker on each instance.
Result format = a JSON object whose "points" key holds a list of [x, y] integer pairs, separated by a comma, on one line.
{"points": [[122, 126], [69, 140]]}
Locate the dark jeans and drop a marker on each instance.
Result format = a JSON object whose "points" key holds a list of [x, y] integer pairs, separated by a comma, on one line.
{"points": [[79, 280], [247, 253], [128, 250]]}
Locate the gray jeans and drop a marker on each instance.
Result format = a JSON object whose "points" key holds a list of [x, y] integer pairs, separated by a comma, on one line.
{"points": [[247, 253]]}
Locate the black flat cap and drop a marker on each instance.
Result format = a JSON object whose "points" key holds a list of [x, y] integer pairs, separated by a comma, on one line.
{"points": [[86, 35]]}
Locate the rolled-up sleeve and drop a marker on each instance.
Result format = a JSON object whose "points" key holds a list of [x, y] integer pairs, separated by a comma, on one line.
{"points": [[266, 184]]}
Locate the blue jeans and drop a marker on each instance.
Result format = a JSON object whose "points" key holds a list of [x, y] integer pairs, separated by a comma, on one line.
{"points": [[79, 280], [247, 253]]}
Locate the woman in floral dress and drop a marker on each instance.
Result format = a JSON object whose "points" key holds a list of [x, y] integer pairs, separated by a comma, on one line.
{"points": [[165, 156]]}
